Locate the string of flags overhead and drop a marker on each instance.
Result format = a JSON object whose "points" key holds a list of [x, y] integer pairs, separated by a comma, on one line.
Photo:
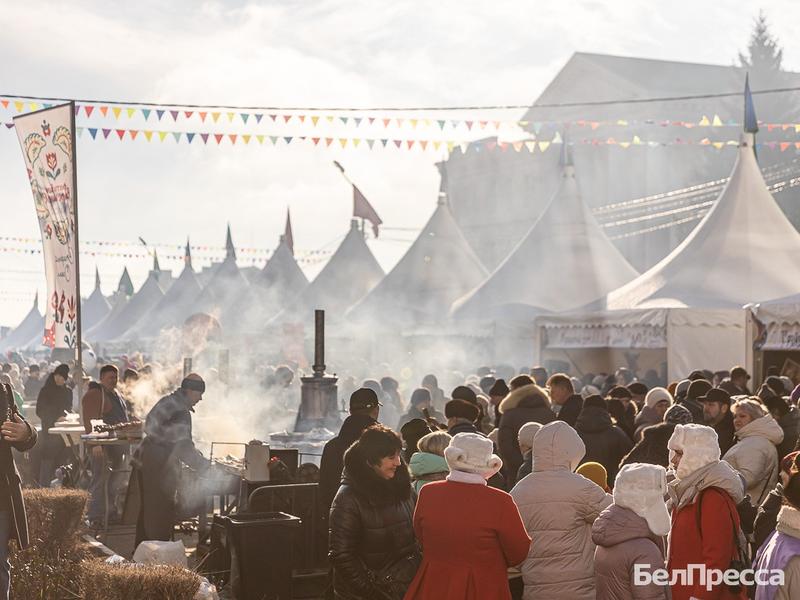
{"points": [[98, 111], [529, 145]]}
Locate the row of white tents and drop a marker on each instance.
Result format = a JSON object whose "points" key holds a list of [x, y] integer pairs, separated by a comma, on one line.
{"points": [[565, 290]]}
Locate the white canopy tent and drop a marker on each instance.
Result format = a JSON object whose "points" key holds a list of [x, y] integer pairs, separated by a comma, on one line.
{"points": [[95, 307], [30, 327], [439, 267], [565, 261]]}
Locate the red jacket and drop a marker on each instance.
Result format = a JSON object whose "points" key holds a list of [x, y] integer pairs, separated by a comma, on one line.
{"points": [[470, 534], [715, 548]]}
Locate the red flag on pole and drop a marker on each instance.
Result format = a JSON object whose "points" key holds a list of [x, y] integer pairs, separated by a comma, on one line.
{"points": [[363, 209], [287, 234]]}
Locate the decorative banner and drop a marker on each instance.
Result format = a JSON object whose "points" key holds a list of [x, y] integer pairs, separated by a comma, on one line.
{"points": [[48, 147]]}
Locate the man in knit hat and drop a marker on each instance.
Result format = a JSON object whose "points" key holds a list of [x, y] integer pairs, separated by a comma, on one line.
{"points": [[656, 403], [717, 414], [697, 388], [497, 392], [677, 415], [638, 392], [461, 416]]}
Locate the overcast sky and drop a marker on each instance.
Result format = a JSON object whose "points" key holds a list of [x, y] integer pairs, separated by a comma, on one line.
{"points": [[308, 53]]}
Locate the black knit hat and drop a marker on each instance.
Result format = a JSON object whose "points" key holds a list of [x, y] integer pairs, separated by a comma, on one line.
{"points": [[499, 388], [637, 388], [62, 370], [619, 392], [462, 392], [596, 401]]}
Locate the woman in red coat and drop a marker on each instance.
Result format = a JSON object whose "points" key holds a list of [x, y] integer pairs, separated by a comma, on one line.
{"points": [[705, 524], [470, 533]]}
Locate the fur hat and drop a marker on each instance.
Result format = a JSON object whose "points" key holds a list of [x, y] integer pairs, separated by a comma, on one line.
{"points": [[682, 387], [461, 409], [656, 395], [699, 444], [499, 388], [637, 388], [589, 390], [526, 434], [641, 488], [596, 401], [678, 415], [472, 453]]}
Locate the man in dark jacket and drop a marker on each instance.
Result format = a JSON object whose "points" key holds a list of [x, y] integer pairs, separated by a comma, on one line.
{"points": [[627, 420], [561, 390], [717, 414], [692, 402], [605, 442], [364, 411], [461, 417], [788, 417], [522, 405], [15, 433], [166, 447]]}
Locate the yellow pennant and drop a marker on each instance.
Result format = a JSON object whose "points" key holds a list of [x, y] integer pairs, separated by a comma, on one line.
{"points": [[215, 116], [162, 135], [717, 122], [544, 146], [34, 106], [624, 144], [718, 145], [704, 122], [314, 120], [130, 112], [343, 142], [20, 106], [436, 145], [329, 118], [356, 142], [246, 138], [636, 141], [147, 134], [797, 128], [531, 146], [116, 110], [518, 146], [450, 146], [260, 139], [413, 123], [464, 146], [426, 122], [230, 117]]}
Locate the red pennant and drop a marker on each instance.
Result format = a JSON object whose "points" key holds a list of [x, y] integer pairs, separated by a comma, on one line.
{"points": [[328, 141], [88, 110], [386, 122], [218, 137], [232, 137], [503, 146], [371, 120], [5, 103], [398, 143], [273, 117], [134, 133], [302, 118], [315, 140], [188, 113], [784, 146], [287, 118], [121, 133], [483, 124], [469, 125]]}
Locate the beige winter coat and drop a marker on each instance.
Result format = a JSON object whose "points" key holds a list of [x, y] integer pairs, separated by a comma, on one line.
{"points": [[558, 508], [754, 455]]}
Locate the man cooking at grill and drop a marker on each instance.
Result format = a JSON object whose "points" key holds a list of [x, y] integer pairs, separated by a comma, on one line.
{"points": [[167, 445]]}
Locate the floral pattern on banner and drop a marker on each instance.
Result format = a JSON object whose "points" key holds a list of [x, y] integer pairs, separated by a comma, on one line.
{"points": [[47, 142]]}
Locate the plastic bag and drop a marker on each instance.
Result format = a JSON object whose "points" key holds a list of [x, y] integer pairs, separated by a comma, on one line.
{"points": [[207, 591], [153, 552]]}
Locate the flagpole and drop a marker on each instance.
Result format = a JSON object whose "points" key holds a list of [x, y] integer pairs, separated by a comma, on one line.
{"points": [[79, 325]]}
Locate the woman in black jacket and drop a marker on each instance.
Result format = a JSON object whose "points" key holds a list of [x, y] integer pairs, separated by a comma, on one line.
{"points": [[371, 545], [54, 400], [605, 442]]}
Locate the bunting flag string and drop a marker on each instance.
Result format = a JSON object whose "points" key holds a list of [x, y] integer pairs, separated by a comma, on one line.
{"points": [[97, 111], [530, 145]]}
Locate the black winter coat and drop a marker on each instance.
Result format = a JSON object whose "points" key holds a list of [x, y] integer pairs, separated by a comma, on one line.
{"points": [[53, 402], [371, 529], [523, 405], [725, 433], [605, 442], [11, 483], [332, 462], [767, 516], [790, 423], [652, 448], [694, 407]]}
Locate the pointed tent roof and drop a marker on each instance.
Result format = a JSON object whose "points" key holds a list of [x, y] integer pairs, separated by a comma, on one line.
{"points": [[230, 250], [280, 281], [31, 325], [348, 276], [95, 307], [226, 284], [439, 267], [125, 284], [564, 261], [178, 303], [139, 304], [743, 250]]}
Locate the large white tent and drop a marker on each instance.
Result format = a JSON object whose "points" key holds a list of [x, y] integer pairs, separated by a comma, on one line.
{"points": [[118, 301], [30, 327], [226, 286], [565, 261], [348, 276], [95, 307], [439, 267], [178, 303]]}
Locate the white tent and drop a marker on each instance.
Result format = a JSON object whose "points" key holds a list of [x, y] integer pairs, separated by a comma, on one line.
{"points": [[30, 327], [95, 307], [271, 291], [348, 276], [118, 301], [439, 267], [178, 304], [565, 261], [226, 286], [744, 250]]}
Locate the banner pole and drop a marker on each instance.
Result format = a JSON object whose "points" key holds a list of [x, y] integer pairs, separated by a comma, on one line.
{"points": [[79, 383]]}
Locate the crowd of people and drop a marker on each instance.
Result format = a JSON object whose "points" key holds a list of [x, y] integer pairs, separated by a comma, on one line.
{"points": [[554, 487]]}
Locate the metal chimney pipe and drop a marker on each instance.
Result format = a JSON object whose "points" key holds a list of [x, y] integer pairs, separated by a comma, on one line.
{"points": [[319, 343]]}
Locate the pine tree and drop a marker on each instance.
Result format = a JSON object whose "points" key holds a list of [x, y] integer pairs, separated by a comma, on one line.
{"points": [[764, 55]]}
